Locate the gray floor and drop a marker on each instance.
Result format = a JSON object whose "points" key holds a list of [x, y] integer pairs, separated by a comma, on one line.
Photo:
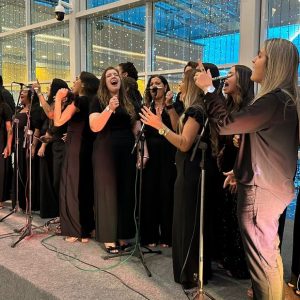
{"points": [[30, 271]]}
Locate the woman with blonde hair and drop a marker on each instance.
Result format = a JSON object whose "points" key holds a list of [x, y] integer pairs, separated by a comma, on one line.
{"points": [[185, 234], [266, 162]]}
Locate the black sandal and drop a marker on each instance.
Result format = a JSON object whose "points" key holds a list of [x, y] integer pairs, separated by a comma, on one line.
{"points": [[126, 247], [112, 249]]}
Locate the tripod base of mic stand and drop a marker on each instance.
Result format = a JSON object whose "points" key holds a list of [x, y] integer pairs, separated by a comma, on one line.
{"points": [[202, 295], [14, 210], [135, 250], [27, 231]]}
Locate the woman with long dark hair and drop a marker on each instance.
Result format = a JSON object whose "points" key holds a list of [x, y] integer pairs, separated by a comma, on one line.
{"points": [[29, 114], [266, 161], [76, 185], [239, 91], [160, 173], [51, 152], [113, 117]]}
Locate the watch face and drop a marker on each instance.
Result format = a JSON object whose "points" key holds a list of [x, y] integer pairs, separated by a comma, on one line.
{"points": [[161, 131]]}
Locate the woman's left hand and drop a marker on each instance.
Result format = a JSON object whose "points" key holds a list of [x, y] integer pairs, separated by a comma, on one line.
{"points": [[203, 79], [61, 94], [149, 118]]}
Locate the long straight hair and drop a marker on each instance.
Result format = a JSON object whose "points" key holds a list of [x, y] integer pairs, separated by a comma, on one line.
{"points": [[281, 68], [245, 89], [192, 95]]}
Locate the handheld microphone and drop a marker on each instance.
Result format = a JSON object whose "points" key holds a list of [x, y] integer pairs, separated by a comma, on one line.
{"points": [[221, 77], [154, 88]]}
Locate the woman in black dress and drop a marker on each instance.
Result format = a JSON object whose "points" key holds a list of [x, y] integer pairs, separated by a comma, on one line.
{"points": [[185, 235], [5, 148], [51, 152], [240, 91], [160, 174], [29, 113], [113, 116], [76, 186]]}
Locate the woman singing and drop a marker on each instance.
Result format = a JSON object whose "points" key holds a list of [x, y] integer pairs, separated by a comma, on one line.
{"points": [[113, 117], [239, 91], [185, 234], [76, 185], [160, 173], [266, 162]]}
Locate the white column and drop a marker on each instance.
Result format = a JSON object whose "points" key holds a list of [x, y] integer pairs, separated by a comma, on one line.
{"points": [[83, 40], [250, 30], [149, 34], [74, 35], [28, 44]]}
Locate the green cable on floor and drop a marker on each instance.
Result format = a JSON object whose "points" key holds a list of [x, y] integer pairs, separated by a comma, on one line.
{"points": [[72, 258]]}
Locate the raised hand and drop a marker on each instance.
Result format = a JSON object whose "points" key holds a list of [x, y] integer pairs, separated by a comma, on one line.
{"points": [[37, 87], [61, 94], [113, 103], [203, 79], [149, 118], [169, 98]]}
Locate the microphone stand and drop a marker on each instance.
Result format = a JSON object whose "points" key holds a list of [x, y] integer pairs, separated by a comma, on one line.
{"points": [[27, 229], [136, 250], [28, 138], [16, 128], [201, 294]]}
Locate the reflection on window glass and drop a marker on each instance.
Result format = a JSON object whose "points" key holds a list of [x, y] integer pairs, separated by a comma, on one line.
{"points": [[50, 56], [43, 10], [12, 14], [116, 38], [95, 3], [191, 30], [283, 21], [13, 66]]}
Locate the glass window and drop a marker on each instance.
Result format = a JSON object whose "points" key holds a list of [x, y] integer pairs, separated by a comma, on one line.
{"points": [[50, 55], [283, 21], [13, 65], [189, 30], [12, 14], [95, 3], [116, 38], [43, 10]]}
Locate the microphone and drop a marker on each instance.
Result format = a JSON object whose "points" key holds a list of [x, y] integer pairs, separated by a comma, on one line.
{"points": [[221, 77], [19, 83], [154, 88]]}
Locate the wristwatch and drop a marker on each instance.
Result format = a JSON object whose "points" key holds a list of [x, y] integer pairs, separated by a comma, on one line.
{"points": [[210, 89], [163, 131], [107, 108]]}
